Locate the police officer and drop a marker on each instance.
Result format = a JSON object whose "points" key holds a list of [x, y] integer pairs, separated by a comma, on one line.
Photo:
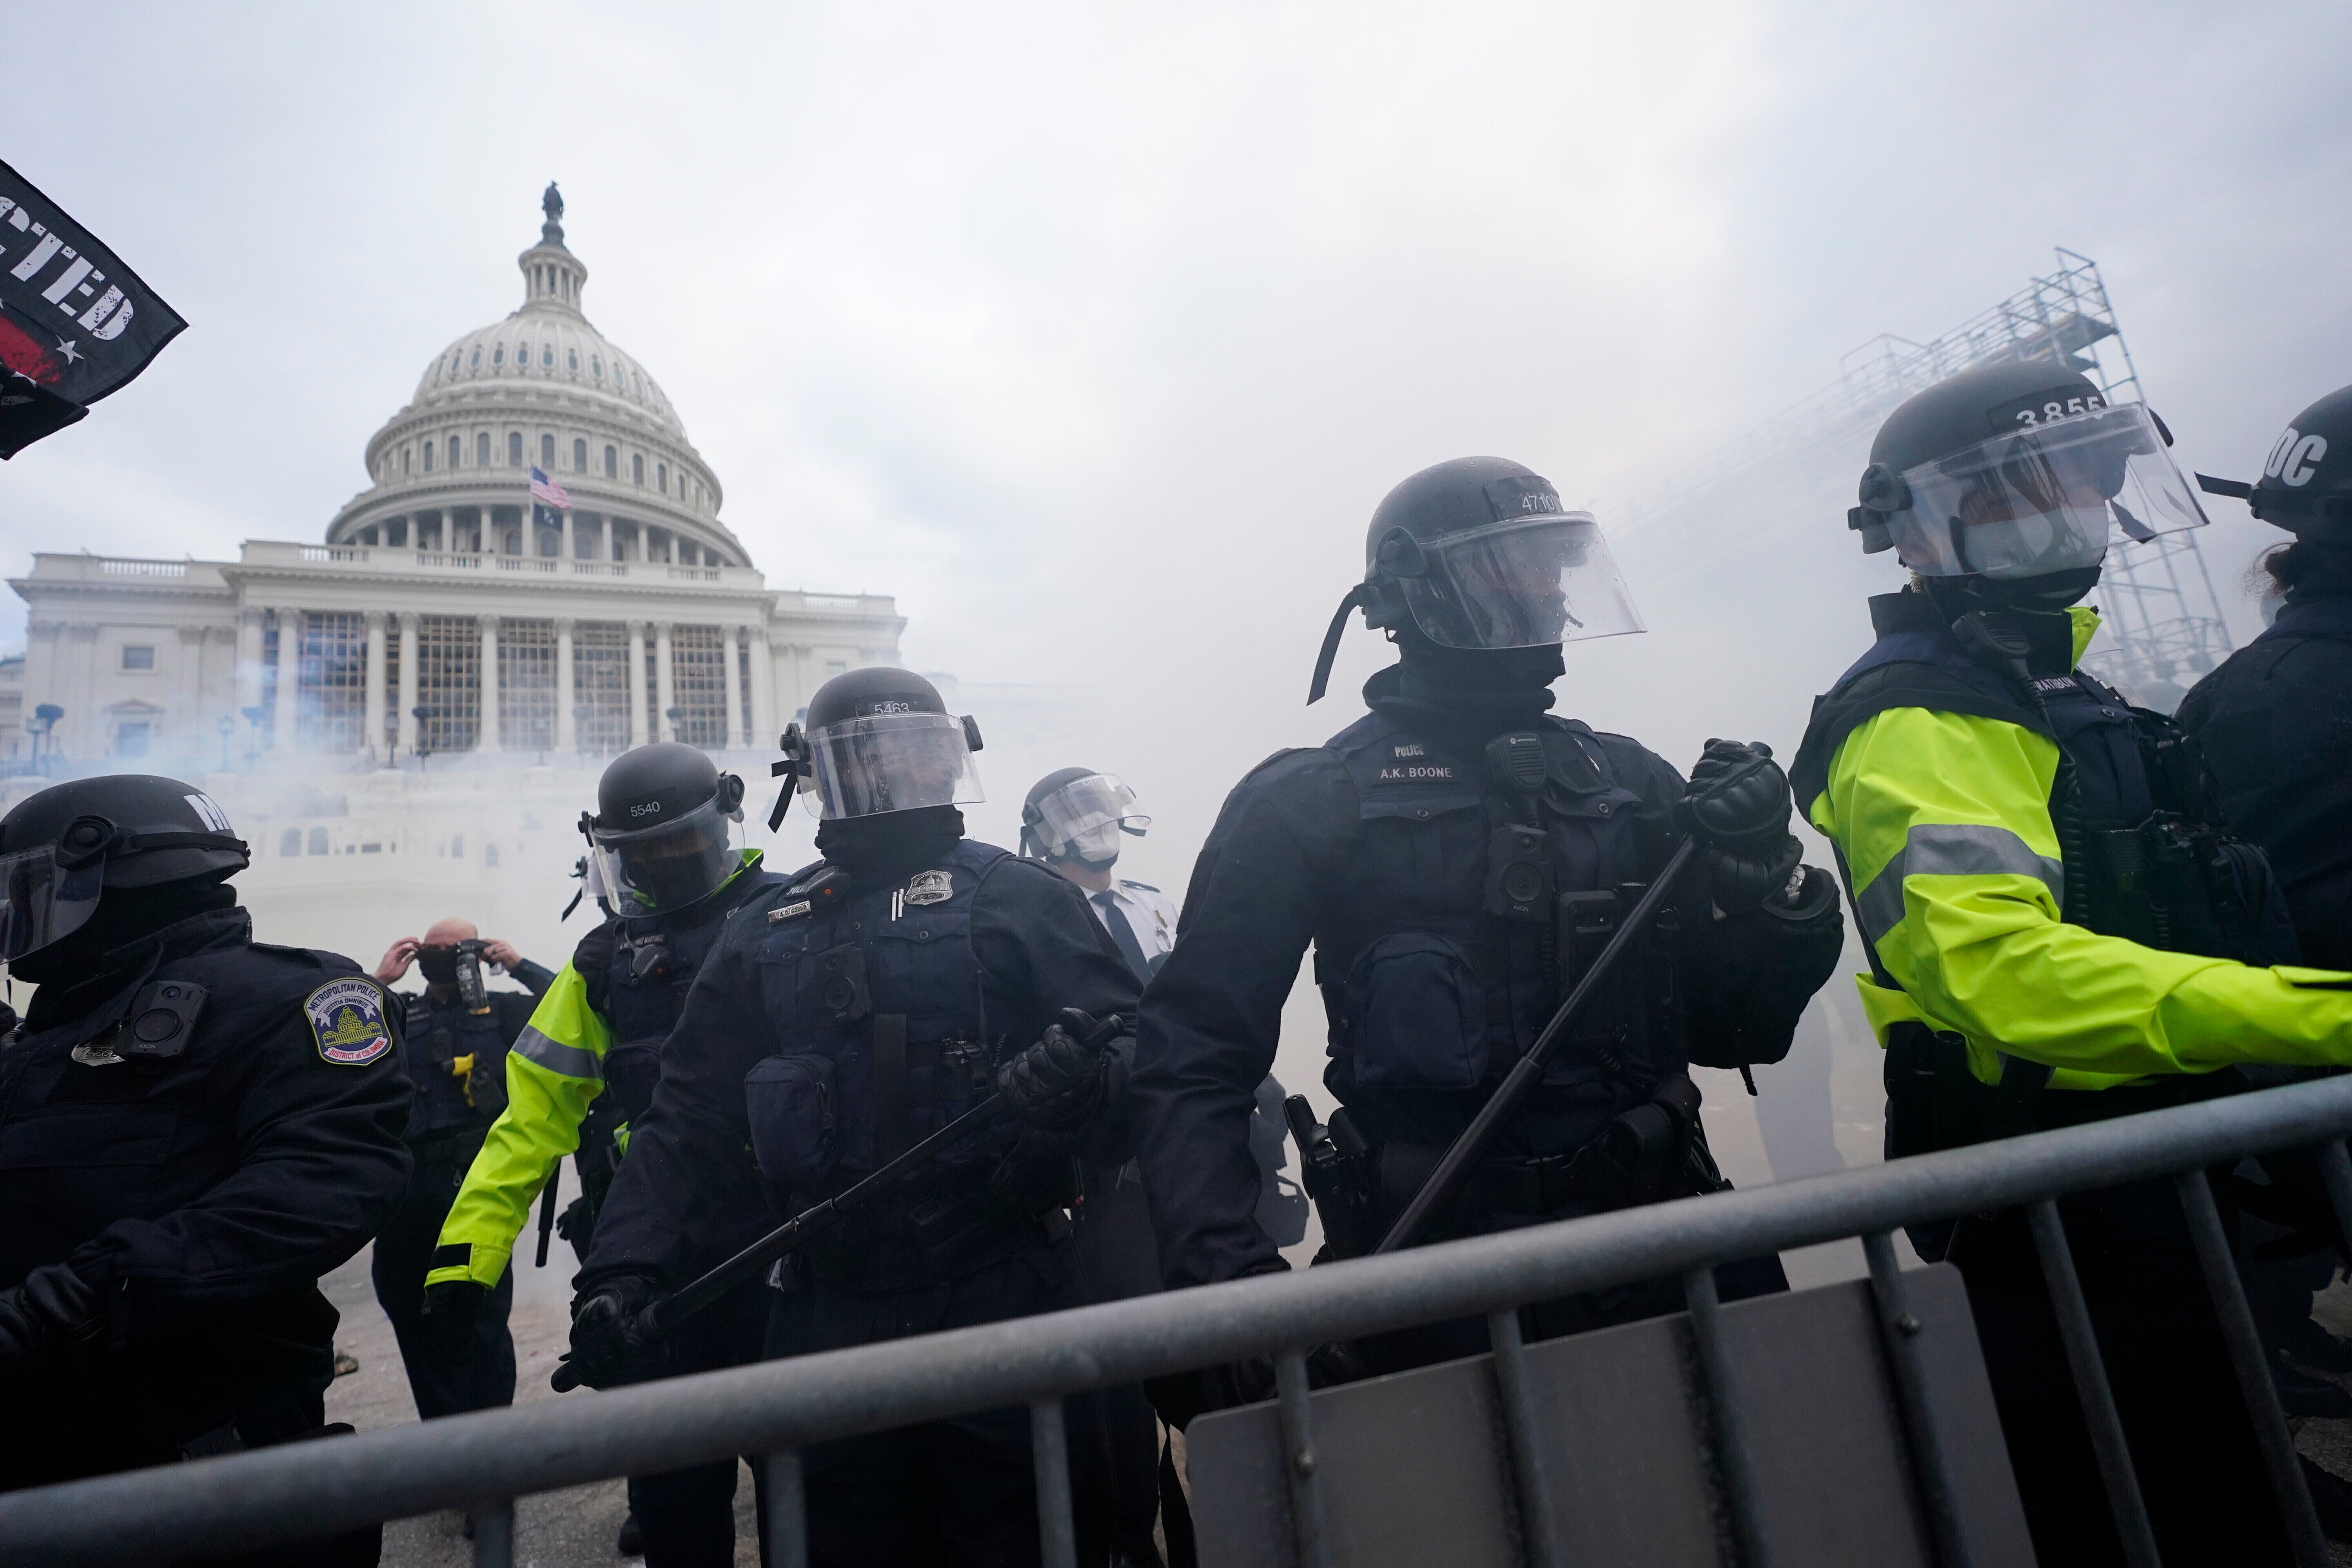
{"points": [[2273, 723], [2013, 831], [193, 1128], [662, 840], [842, 1017], [1455, 857], [454, 1044], [2273, 718], [1074, 820]]}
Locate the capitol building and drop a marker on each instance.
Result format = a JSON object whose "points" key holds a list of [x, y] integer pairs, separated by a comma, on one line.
{"points": [[406, 718], [444, 615]]}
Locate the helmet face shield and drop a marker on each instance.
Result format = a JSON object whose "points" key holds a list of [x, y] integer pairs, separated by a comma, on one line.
{"points": [[1085, 817], [890, 761], [2049, 496], [42, 901], [1525, 582], [666, 866]]}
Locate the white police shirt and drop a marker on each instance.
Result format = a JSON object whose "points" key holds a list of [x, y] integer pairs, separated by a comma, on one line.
{"points": [[1150, 914]]}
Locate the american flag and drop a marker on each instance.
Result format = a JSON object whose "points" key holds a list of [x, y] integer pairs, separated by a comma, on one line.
{"points": [[543, 488]]}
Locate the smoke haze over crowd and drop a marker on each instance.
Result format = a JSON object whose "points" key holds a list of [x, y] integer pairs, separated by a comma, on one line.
{"points": [[1095, 335]]}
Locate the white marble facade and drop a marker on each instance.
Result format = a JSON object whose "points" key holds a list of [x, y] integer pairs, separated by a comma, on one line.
{"points": [[442, 615]]}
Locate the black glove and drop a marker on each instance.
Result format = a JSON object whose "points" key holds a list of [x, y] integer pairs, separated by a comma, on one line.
{"points": [[451, 1306], [1738, 801], [611, 1343], [1180, 1396], [1056, 1084], [577, 1222], [52, 1316]]}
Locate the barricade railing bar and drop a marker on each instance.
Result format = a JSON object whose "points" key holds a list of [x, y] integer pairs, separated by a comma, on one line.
{"points": [[482, 1462]]}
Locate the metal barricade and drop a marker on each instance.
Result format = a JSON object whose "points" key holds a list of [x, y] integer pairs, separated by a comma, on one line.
{"points": [[483, 1461]]}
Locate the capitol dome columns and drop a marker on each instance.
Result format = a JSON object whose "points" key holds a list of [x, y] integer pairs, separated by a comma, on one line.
{"points": [[406, 719], [755, 641], [486, 738], [372, 699], [283, 706], [636, 683], [567, 729], [664, 684]]}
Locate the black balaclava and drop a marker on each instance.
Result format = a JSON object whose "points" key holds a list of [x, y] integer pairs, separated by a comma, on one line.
{"points": [[2049, 593], [2322, 570], [1463, 698], [890, 846], [81, 968], [439, 966]]}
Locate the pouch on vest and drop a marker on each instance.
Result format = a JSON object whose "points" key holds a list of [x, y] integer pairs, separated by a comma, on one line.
{"points": [[630, 1071], [1417, 1014], [795, 1134]]}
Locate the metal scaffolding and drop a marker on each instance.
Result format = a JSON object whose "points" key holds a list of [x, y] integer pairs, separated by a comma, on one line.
{"points": [[2157, 598]]}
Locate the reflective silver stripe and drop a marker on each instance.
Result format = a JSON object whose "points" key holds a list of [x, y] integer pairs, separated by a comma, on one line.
{"points": [[1951, 849], [570, 1061]]}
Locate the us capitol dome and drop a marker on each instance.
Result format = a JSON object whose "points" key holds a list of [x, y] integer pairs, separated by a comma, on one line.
{"points": [[459, 607]]}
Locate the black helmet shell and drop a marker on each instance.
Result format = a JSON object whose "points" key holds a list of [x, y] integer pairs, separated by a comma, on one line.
{"points": [[1444, 499], [653, 784], [1968, 409], [150, 829], [2307, 483], [864, 693]]}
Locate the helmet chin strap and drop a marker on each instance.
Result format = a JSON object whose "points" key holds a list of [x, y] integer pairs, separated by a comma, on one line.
{"points": [[1361, 593]]}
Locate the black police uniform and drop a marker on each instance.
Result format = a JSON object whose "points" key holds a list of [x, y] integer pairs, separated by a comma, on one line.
{"points": [[2275, 722], [451, 1114], [200, 1130], [823, 1035], [2122, 767], [638, 970], [1377, 847]]}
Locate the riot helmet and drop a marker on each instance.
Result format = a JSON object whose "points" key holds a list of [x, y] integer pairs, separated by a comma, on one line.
{"points": [[1077, 814], [877, 741], [2307, 483], [661, 838], [64, 847], [2019, 471], [1477, 554]]}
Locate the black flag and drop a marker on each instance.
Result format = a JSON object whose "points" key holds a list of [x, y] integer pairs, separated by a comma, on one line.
{"points": [[75, 323]]}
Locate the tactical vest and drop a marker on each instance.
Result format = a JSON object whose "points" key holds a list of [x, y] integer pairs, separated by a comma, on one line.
{"points": [[434, 1039], [876, 1003], [1435, 977], [653, 962], [2145, 854], [2148, 855]]}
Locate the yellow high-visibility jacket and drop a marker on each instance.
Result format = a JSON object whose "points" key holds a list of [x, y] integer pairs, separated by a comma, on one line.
{"points": [[1943, 821], [555, 1071]]}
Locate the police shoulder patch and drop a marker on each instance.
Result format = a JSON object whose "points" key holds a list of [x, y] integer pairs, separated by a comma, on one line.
{"points": [[930, 888], [346, 1019]]}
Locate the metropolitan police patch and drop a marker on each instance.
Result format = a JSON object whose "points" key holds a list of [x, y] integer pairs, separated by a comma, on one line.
{"points": [[347, 1020]]}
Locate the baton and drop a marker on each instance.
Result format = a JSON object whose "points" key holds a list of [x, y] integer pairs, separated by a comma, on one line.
{"points": [[547, 1212], [1453, 1170]]}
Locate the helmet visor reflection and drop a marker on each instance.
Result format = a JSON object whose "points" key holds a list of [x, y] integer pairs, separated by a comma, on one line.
{"points": [[890, 761], [1526, 581], [42, 901], [1085, 817], [670, 865], [2049, 498]]}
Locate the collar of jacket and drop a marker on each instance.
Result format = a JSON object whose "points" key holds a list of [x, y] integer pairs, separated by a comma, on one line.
{"points": [[54, 1004]]}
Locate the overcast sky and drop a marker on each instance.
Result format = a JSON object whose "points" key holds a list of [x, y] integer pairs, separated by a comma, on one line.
{"points": [[1095, 334]]}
